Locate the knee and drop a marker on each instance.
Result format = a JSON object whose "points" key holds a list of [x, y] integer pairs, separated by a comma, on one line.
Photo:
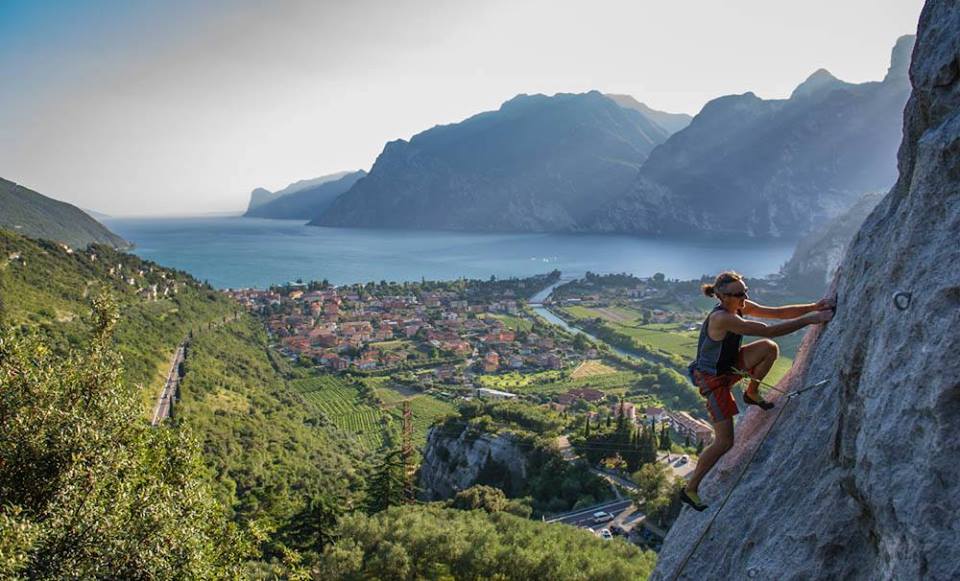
{"points": [[773, 350]]}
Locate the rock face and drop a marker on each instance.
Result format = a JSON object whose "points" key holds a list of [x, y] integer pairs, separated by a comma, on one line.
{"points": [[307, 202], [787, 165], [860, 479], [537, 164], [818, 254], [452, 463]]}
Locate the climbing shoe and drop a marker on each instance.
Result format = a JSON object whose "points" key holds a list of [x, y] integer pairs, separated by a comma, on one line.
{"points": [[693, 500], [761, 403]]}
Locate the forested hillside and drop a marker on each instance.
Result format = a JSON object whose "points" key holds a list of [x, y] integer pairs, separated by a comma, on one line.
{"points": [[48, 288], [31, 214]]}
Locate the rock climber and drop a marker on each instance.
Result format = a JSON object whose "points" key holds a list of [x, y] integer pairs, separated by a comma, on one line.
{"points": [[721, 361]]}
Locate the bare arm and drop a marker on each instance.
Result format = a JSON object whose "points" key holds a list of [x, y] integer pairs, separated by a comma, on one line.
{"points": [[730, 322], [786, 312]]}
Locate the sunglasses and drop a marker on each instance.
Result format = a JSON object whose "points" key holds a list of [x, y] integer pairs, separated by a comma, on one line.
{"points": [[742, 295]]}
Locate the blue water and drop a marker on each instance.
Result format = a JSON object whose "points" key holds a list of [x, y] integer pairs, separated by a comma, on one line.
{"points": [[248, 252]]}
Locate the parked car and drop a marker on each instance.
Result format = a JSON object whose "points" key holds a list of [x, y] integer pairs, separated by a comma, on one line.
{"points": [[618, 530], [602, 517], [605, 534]]}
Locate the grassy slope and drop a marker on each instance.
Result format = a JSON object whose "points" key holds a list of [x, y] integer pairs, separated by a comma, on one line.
{"points": [[38, 216], [270, 448], [50, 290]]}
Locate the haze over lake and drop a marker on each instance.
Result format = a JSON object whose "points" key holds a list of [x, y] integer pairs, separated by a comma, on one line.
{"points": [[246, 252]]}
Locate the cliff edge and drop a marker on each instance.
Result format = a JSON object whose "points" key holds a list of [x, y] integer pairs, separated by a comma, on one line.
{"points": [[859, 479]]}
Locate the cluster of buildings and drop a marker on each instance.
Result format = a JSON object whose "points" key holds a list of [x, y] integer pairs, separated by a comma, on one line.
{"points": [[345, 329]]}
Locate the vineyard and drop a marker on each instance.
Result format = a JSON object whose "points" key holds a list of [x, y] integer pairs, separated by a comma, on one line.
{"points": [[344, 405], [425, 409]]}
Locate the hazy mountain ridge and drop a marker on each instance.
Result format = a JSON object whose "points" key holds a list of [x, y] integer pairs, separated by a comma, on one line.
{"points": [[537, 164], [771, 168], [818, 254], [671, 122], [32, 214], [307, 202], [261, 196]]}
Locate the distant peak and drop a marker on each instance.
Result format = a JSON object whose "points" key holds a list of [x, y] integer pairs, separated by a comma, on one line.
{"points": [[821, 79], [900, 58]]}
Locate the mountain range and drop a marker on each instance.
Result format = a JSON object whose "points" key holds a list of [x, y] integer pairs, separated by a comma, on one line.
{"points": [[261, 196], [305, 201], [32, 214], [771, 168], [537, 163], [743, 166]]}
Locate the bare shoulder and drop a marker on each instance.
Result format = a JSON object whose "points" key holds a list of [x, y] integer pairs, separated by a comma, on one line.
{"points": [[720, 323]]}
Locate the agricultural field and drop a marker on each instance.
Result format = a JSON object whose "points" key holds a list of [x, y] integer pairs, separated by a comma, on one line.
{"points": [[517, 380], [424, 408], [590, 368], [345, 406], [674, 338], [512, 322]]}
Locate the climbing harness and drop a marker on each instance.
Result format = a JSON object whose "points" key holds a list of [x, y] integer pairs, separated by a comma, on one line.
{"points": [[789, 397]]}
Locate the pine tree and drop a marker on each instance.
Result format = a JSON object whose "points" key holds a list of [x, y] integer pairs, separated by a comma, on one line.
{"points": [[385, 487], [665, 443]]}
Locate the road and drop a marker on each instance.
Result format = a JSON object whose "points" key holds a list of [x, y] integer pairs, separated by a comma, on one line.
{"points": [[584, 517], [164, 405]]}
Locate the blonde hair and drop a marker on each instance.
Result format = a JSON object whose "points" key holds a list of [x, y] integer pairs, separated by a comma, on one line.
{"points": [[722, 279]]}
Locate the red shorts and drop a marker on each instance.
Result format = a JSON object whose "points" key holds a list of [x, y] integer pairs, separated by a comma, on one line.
{"points": [[716, 388]]}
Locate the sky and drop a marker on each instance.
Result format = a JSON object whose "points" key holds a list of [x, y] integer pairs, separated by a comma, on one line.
{"points": [[181, 107]]}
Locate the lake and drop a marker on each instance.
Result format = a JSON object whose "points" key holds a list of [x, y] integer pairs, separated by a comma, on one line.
{"points": [[235, 252]]}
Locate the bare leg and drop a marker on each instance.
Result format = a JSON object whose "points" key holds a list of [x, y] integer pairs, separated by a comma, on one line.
{"points": [[722, 442], [758, 357]]}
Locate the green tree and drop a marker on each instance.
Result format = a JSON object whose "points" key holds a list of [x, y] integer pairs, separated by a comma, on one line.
{"points": [[89, 489], [386, 486], [490, 499], [665, 443]]}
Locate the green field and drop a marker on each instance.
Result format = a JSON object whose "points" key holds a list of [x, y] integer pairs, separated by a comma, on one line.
{"points": [[424, 407], [343, 404], [512, 322], [673, 339], [517, 380]]}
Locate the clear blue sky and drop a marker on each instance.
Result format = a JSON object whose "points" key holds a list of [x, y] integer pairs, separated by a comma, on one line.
{"points": [[134, 107]]}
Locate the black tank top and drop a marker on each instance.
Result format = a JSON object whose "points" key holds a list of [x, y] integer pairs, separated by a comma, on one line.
{"points": [[716, 357]]}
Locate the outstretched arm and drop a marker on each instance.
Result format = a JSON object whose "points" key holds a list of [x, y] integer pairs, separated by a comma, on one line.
{"points": [[787, 312], [731, 322]]}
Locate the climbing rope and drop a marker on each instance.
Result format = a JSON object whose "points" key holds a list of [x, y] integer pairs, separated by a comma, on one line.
{"points": [[789, 395], [736, 483]]}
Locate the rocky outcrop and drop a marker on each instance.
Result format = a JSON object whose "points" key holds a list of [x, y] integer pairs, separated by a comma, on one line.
{"points": [[453, 462], [860, 479], [538, 163], [747, 166]]}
